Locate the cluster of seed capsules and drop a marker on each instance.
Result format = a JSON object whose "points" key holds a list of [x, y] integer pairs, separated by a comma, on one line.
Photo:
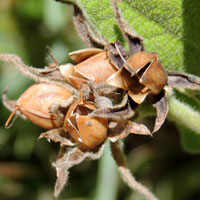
{"points": [[41, 102], [83, 104], [125, 80]]}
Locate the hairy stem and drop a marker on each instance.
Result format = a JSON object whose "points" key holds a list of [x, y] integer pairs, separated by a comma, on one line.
{"points": [[33, 73], [184, 114], [126, 174]]}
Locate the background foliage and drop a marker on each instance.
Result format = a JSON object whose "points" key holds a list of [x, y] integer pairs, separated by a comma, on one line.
{"points": [[170, 28]]}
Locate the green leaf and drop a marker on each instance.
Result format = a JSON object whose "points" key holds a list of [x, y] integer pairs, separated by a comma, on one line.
{"points": [[32, 9]]}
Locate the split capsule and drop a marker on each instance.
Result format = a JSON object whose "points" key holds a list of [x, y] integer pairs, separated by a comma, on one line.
{"points": [[88, 132]]}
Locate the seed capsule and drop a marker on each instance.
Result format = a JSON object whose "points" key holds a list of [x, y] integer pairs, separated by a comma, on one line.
{"points": [[88, 132], [94, 65], [36, 103], [149, 70], [144, 75]]}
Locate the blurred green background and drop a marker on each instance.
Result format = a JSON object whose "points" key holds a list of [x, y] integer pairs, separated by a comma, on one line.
{"points": [[26, 28]]}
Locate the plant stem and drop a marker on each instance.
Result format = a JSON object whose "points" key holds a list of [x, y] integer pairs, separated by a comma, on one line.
{"points": [[126, 174], [184, 114], [107, 184]]}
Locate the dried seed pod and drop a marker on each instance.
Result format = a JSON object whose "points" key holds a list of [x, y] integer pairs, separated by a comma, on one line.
{"points": [[143, 75], [36, 104], [88, 131], [95, 66], [149, 70]]}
